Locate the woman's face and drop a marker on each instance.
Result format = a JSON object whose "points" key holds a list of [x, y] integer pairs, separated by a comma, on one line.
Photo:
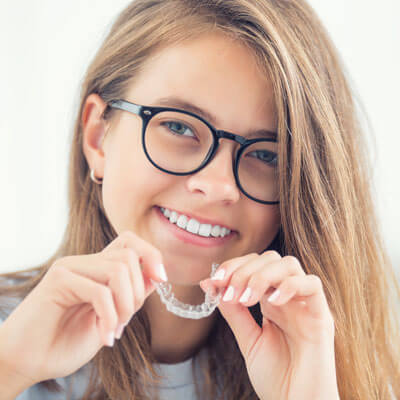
{"points": [[217, 75]]}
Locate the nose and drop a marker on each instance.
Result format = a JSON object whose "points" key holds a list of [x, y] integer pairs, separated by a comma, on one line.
{"points": [[216, 181]]}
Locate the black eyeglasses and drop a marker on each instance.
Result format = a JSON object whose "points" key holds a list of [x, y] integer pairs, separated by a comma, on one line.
{"points": [[180, 142]]}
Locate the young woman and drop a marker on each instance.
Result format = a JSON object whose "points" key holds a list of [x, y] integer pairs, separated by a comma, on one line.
{"points": [[211, 131]]}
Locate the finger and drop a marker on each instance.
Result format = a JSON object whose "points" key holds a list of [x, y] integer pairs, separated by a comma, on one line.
{"points": [[150, 258], [112, 273], [243, 325], [308, 288], [239, 270], [233, 266], [229, 267], [136, 275], [72, 289], [206, 285], [142, 285], [262, 276]]}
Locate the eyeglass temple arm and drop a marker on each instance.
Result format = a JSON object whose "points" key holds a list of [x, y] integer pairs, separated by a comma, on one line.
{"points": [[125, 106]]}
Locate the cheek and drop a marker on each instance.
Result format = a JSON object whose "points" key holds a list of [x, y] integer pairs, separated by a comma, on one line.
{"points": [[131, 184], [126, 168], [272, 220], [265, 226]]}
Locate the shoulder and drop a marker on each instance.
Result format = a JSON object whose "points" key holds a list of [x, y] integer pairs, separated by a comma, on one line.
{"points": [[75, 385]]}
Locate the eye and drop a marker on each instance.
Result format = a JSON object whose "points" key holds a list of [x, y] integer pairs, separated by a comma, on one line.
{"points": [[179, 128], [266, 156]]}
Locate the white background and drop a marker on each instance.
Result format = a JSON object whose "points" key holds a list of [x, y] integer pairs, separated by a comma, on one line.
{"points": [[47, 45]]}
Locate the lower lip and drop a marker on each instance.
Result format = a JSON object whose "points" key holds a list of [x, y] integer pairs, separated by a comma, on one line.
{"points": [[191, 238]]}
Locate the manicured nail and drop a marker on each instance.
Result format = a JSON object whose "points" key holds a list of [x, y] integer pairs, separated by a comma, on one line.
{"points": [[274, 296], [110, 339], [245, 296], [161, 272], [219, 275], [119, 330], [229, 294]]}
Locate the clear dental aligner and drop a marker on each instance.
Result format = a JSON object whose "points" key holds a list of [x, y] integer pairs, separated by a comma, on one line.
{"points": [[188, 310]]}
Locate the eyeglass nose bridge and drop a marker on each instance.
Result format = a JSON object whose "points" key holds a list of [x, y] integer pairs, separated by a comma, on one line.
{"points": [[227, 135], [220, 134]]}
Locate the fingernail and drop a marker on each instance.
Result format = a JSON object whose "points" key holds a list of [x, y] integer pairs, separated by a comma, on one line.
{"points": [[228, 294], [119, 330], [219, 275], [110, 339], [161, 272], [245, 296], [274, 296]]}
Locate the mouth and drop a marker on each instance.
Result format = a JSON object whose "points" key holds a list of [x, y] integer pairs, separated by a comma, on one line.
{"points": [[191, 238]]}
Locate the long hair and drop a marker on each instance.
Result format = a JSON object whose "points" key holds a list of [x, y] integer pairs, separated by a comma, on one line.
{"points": [[328, 220]]}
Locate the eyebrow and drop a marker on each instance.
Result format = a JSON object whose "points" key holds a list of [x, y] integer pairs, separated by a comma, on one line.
{"points": [[174, 101]]}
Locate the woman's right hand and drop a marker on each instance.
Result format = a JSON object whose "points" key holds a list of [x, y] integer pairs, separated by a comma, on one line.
{"points": [[80, 302]]}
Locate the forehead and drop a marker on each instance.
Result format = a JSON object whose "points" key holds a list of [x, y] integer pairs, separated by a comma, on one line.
{"points": [[215, 73]]}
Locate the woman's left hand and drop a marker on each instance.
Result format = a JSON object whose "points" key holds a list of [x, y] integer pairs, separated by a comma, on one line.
{"points": [[291, 357]]}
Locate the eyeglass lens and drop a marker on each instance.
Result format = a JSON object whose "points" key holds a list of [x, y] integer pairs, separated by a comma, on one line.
{"points": [[179, 143]]}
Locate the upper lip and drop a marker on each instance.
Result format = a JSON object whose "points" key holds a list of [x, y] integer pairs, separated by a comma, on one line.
{"points": [[201, 219]]}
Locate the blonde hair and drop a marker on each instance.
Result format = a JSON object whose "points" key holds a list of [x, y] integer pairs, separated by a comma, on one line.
{"points": [[328, 219]]}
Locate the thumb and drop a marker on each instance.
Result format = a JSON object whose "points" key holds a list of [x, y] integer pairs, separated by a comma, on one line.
{"points": [[153, 273], [240, 320], [149, 286], [243, 325], [150, 258]]}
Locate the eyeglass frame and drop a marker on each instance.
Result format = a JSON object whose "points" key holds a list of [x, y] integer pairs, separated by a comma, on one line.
{"points": [[148, 112]]}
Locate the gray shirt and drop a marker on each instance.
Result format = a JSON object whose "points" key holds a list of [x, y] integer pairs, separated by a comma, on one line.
{"points": [[177, 384]]}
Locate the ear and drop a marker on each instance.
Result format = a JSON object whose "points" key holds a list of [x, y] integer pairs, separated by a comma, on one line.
{"points": [[93, 130]]}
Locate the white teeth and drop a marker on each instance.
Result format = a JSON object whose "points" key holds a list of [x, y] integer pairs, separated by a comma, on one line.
{"points": [[193, 226], [173, 217], [205, 229], [182, 221], [216, 230]]}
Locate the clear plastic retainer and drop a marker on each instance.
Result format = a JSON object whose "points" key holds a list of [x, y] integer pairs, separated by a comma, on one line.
{"points": [[188, 310]]}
